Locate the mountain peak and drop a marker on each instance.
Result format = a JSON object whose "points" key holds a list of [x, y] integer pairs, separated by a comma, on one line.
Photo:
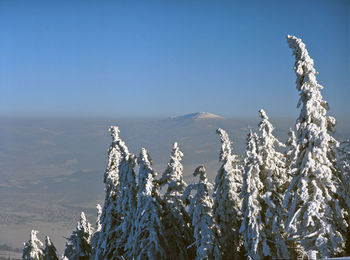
{"points": [[197, 116], [203, 115]]}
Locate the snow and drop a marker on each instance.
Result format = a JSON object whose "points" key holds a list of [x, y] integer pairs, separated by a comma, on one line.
{"points": [[274, 178], [78, 244], [227, 201], [310, 199], [200, 210], [147, 228], [204, 115], [33, 248], [175, 218], [252, 226], [50, 250], [197, 116], [120, 200]]}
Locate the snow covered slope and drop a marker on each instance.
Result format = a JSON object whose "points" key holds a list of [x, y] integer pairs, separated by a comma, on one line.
{"points": [[193, 118]]}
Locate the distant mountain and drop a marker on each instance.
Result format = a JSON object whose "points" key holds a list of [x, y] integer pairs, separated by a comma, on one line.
{"points": [[198, 116], [193, 118]]}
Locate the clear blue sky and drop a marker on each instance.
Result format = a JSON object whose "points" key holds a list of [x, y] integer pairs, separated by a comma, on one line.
{"points": [[158, 58]]}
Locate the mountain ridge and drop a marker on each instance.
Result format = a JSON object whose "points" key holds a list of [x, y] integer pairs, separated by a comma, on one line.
{"points": [[197, 116]]}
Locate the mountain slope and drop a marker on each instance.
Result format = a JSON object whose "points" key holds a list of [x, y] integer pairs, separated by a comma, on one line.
{"points": [[193, 118]]}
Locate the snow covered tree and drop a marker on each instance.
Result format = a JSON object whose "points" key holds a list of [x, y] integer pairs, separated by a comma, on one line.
{"points": [[120, 200], [274, 179], [125, 203], [273, 162], [344, 161], [78, 244], [176, 222], [200, 210], [252, 227], [343, 154], [98, 227], [315, 219], [227, 203], [290, 153], [290, 156], [33, 248], [148, 239], [110, 218], [98, 219], [50, 250]]}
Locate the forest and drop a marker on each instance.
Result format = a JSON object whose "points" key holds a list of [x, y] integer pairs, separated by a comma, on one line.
{"points": [[281, 201]]}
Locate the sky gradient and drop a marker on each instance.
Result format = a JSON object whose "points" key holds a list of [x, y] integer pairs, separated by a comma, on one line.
{"points": [[160, 58]]}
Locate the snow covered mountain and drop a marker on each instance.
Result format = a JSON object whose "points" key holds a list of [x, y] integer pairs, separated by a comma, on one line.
{"points": [[198, 116], [194, 118]]}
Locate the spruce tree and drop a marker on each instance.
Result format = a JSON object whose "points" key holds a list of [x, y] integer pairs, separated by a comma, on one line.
{"points": [[227, 202], [290, 153], [176, 222], [33, 248], [315, 220], [125, 203], [126, 206], [344, 162], [252, 228], [109, 218], [200, 210], [274, 178], [148, 239], [343, 155], [78, 244], [120, 200], [98, 227], [50, 250]]}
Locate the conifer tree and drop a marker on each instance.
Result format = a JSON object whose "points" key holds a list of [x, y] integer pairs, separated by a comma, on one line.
{"points": [[200, 210], [290, 153], [110, 218], [33, 248], [98, 227], [148, 240], [50, 250], [78, 244], [227, 202], [126, 205], [315, 219], [343, 160], [252, 228], [290, 157], [176, 222], [98, 219], [120, 200], [274, 178]]}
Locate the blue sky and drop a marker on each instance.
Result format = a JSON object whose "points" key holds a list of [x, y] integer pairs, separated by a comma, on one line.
{"points": [[159, 58]]}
